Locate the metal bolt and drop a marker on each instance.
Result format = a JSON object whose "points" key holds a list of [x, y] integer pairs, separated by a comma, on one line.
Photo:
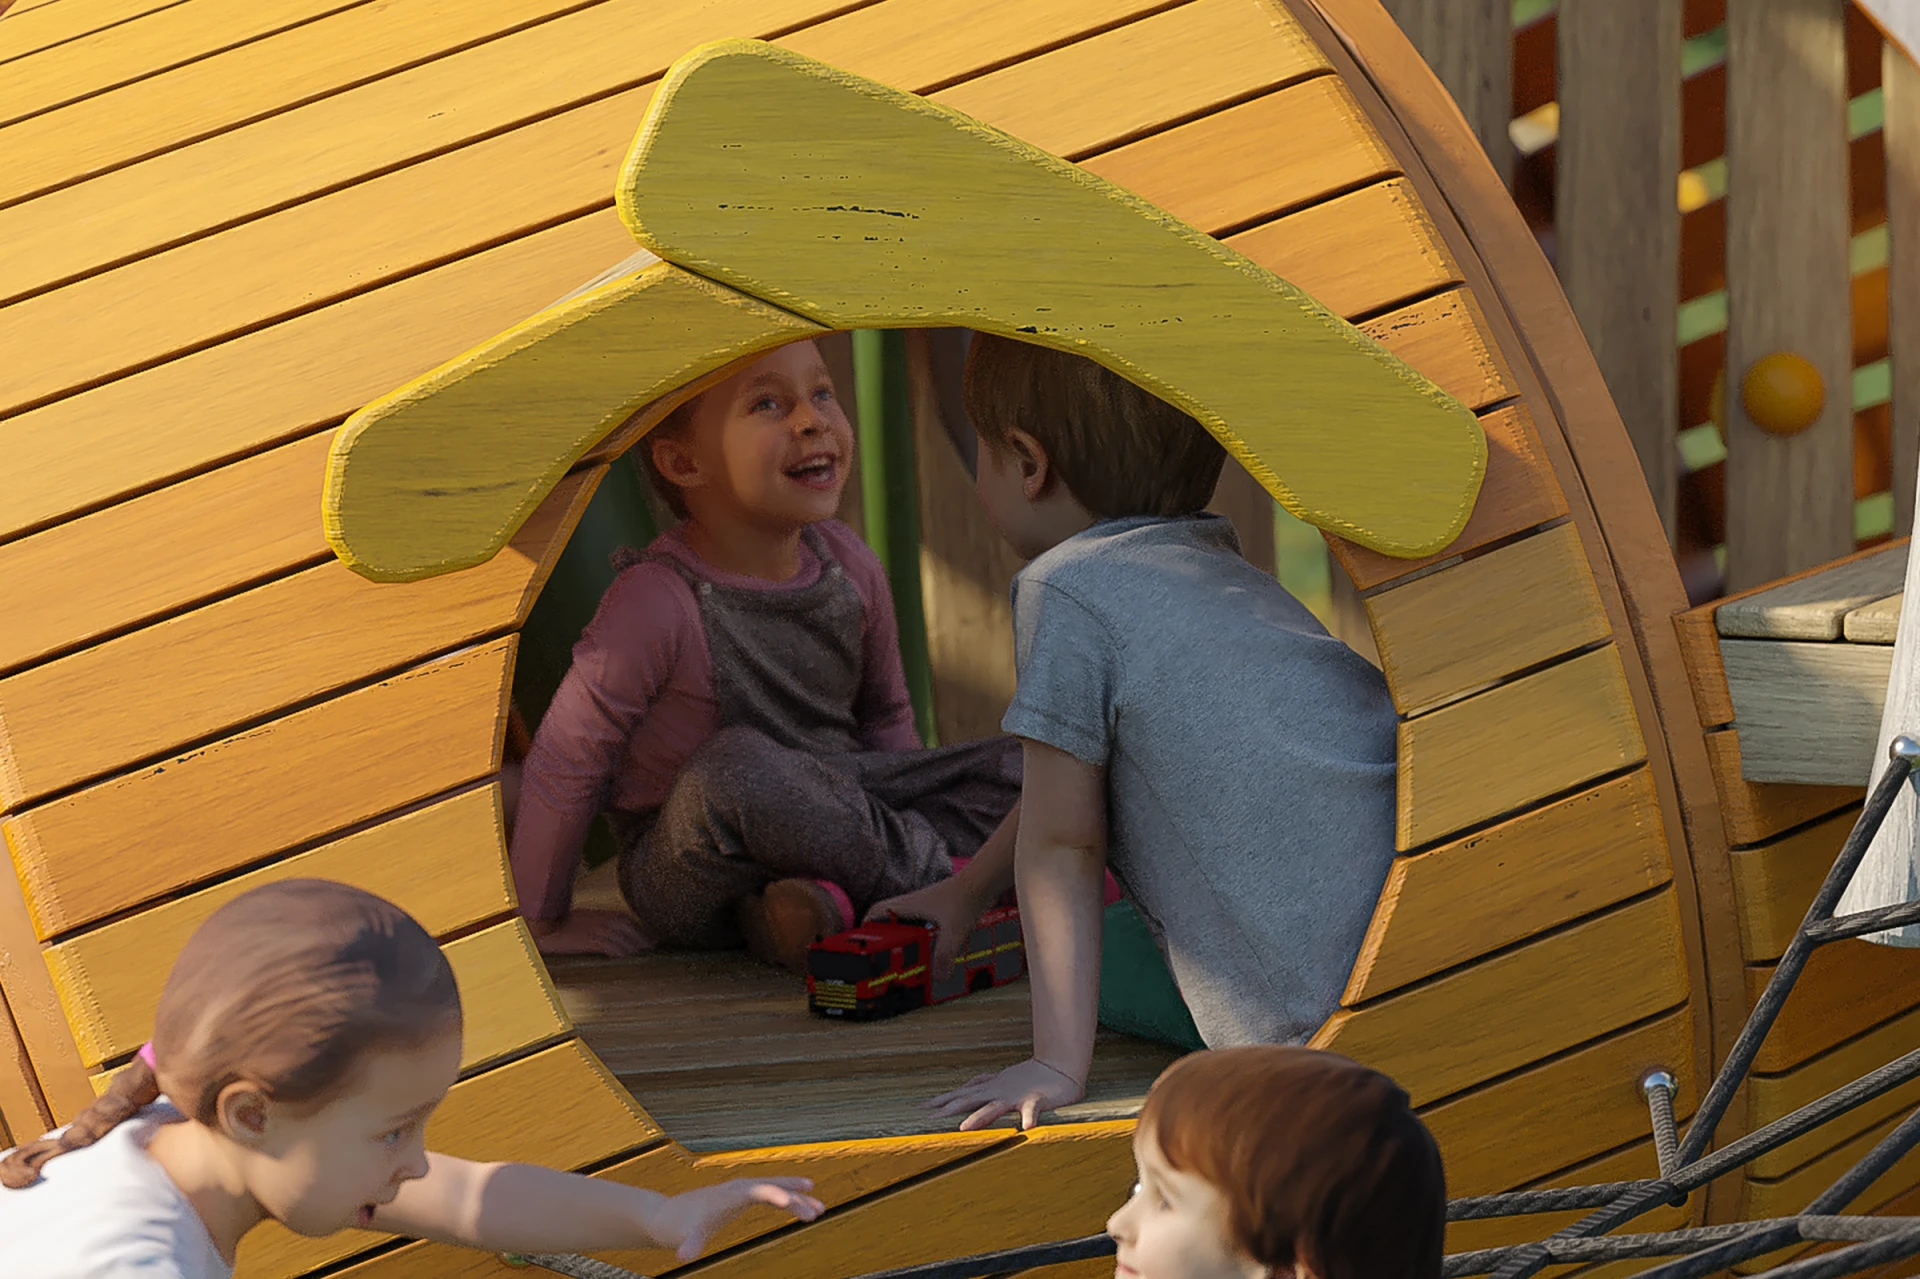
{"points": [[1906, 748], [1659, 1079]]}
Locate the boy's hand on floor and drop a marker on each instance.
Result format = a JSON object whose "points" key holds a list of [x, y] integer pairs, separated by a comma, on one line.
{"points": [[686, 1221], [611, 933], [945, 907], [1030, 1088]]}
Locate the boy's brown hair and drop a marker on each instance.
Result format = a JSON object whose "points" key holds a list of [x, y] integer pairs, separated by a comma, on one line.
{"points": [[1119, 449], [1322, 1161]]}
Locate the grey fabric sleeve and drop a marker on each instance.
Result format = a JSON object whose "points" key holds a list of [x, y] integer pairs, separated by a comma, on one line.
{"points": [[1067, 661]]}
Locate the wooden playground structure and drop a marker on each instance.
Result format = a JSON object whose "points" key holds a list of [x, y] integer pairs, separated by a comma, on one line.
{"points": [[198, 289]]}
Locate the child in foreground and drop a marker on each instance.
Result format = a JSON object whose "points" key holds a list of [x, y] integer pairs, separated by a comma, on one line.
{"points": [[305, 1034], [738, 705], [1183, 718], [1262, 1162]]}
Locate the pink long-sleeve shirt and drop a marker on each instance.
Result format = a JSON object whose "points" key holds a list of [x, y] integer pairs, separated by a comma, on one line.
{"points": [[639, 699]]}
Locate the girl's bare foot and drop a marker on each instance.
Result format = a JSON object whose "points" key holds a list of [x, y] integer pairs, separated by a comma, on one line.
{"points": [[781, 921]]}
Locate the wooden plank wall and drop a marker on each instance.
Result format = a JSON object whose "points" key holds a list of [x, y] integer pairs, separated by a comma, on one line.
{"points": [[1900, 92], [1789, 284], [1617, 226]]}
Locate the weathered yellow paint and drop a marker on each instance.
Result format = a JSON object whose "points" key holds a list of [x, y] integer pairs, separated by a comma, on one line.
{"points": [[863, 207], [445, 865], [441, 473], [438, 474]]}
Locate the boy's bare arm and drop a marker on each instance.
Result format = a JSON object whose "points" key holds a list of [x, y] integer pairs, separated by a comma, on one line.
{"points": [[1059, 860], [1062, 854]]}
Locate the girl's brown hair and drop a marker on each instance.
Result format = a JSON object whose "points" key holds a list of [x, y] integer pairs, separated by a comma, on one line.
{"points": [[1119, 449], [285, 987], [1322, 1161]]}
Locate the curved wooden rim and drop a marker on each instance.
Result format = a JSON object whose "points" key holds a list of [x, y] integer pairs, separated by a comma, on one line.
{"points": [[1594, 460]]}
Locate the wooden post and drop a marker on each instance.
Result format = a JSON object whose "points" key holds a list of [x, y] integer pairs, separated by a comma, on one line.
{"points": [[1469, 45], [890, 493], [1789, 497], [1900, 88], [1617, 225], [1240, 498]]}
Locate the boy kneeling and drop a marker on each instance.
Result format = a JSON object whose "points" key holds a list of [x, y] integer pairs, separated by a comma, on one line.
{"points": [[1184, 718]]}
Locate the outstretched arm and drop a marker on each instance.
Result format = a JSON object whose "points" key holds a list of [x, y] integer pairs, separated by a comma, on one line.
{"points": [[523, 1208], [1060, 854]]}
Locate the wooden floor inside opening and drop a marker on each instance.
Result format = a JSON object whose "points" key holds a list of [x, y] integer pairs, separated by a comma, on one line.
{"points": [[721, 1050]]}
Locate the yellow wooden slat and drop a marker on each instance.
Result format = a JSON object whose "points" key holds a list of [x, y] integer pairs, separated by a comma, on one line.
{"points": [[1478, 622], [1447, 339], [1771, 1097], [469, 96], [988, 1204], [1758, 811], [1555, 864], [327, 247], [1522, 1006], [1108, 89], [888, 41], [288, 642], [1790, 1194], [1773, 884], [445, 865], [53, 25], [1631, 1164], [27, 989], [23, 1113], [1846, 987], [1518, 493], [1517, 744], [121, 54], [508, 1001], [1577, 1106], [99, 574], [222, 91], [335, 246], [1358, 253], [231, 803], [1235, 167], [559, 1108], [258, 390]]}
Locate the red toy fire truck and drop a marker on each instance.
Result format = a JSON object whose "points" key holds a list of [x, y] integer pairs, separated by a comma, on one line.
{"points": [[882, 969]]}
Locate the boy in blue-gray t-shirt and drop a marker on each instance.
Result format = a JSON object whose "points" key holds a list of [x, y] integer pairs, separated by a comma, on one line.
{"points": [[1185, 719]]}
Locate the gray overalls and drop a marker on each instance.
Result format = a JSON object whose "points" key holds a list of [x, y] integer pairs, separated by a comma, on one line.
{"points": [[785, 788]]}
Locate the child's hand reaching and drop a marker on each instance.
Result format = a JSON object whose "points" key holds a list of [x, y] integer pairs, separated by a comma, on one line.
{"points": [[947, 906], [1031, 1088], [686, 1221], [590, 932]]}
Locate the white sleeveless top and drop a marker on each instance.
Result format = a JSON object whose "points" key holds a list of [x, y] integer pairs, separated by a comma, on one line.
{"points": [[108, 1211]]}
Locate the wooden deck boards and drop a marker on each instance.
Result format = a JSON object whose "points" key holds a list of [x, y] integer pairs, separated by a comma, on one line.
{"points": [[721, 1050]]}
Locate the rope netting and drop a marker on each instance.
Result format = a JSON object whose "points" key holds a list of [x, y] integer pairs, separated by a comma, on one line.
{"points": [[1685, 1162]]}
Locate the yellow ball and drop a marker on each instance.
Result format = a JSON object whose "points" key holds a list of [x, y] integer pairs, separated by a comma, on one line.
{"points": [[1782, 393]]}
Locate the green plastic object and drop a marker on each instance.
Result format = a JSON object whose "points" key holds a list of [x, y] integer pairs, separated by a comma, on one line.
{"points": [[617, 515], [1137, 994], [890, 499]]}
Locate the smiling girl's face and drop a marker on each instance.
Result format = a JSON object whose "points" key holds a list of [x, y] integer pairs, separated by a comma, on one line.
{"points": [[1175, 1225], [769, 446], [318, 1170]]}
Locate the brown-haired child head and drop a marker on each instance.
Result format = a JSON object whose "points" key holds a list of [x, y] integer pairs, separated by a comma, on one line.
{"points": [[1274, 1160], [306, 1031], [769, 447], [1065, 441]]}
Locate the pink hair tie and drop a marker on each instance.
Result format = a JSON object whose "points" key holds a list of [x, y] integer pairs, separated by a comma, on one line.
{"points": [[146, 1054]]}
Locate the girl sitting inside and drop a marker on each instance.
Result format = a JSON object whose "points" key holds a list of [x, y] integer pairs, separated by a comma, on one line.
{"points": [[305, 1035], [738, 707], [1270, 1161]]}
